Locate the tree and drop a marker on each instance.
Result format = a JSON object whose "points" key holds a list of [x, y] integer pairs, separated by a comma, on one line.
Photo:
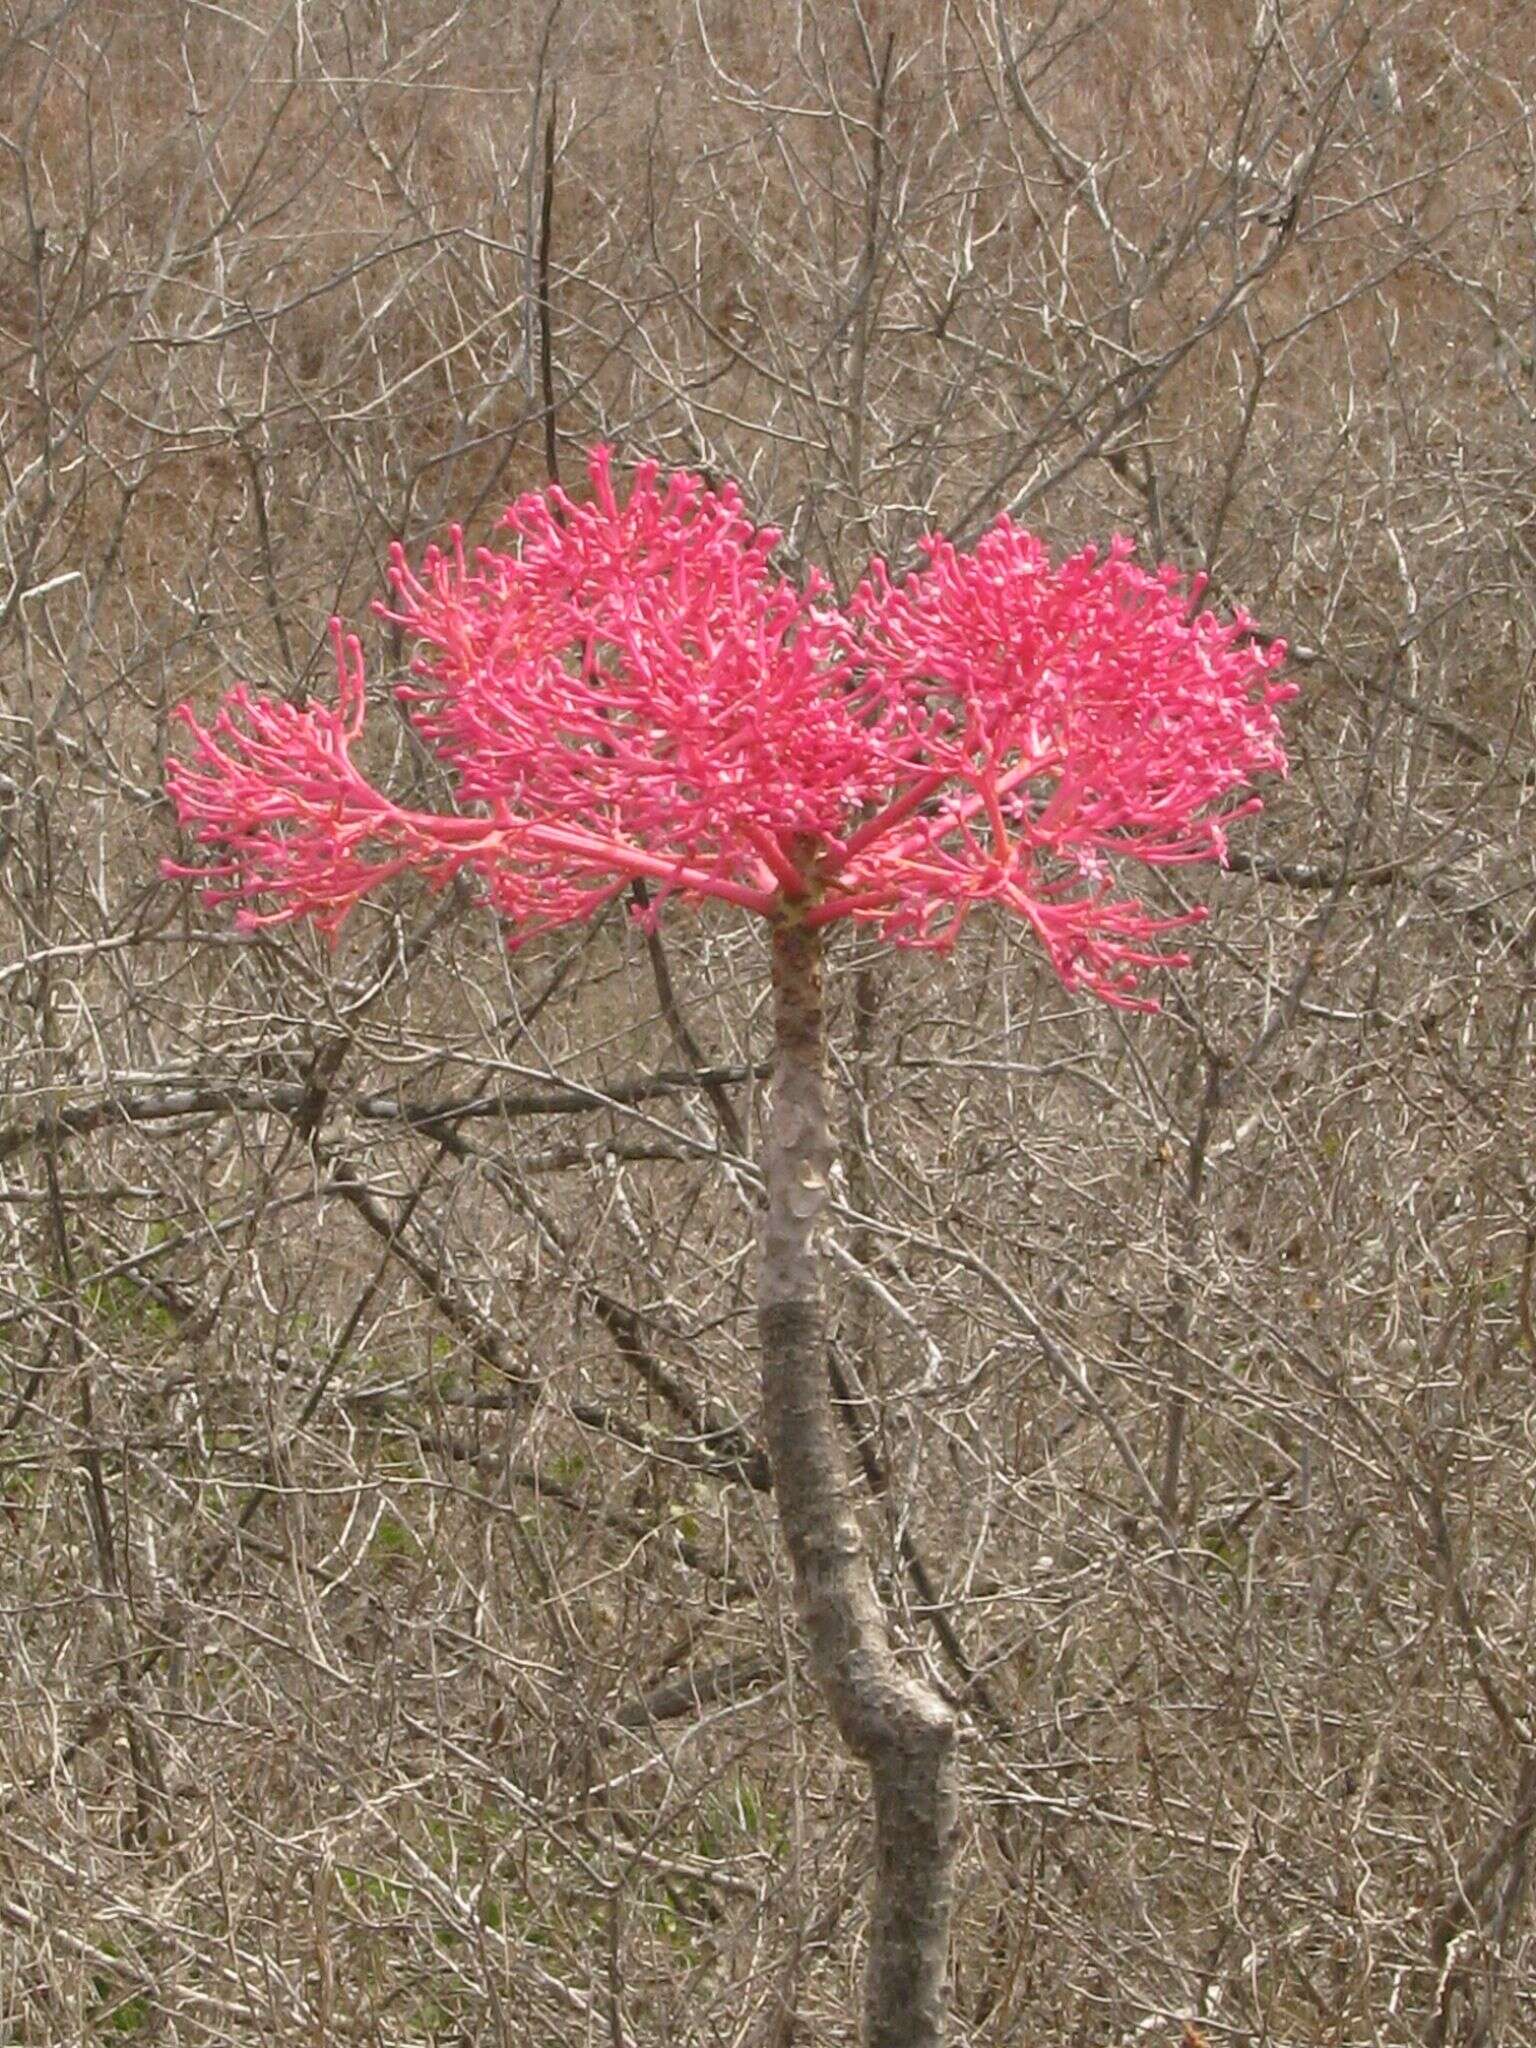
{"points": [[634, 695]]}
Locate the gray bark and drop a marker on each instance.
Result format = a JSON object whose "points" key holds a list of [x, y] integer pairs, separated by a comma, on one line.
{"points": [[902, 1729]]}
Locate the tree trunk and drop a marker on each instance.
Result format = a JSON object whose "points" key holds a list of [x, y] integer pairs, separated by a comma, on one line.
{"points": [[898, 1726]]}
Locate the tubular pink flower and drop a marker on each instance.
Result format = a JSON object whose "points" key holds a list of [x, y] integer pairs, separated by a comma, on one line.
{"points": [[630, 690]]}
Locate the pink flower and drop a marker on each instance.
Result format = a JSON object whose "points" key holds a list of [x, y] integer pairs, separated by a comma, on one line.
{"points": [[631, 690], [1063, 720]]}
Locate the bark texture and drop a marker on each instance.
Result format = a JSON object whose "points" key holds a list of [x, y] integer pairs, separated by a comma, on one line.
{"points": [[898, 1726]]}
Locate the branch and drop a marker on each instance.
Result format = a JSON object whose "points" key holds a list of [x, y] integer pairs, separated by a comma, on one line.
{"points": [[222, 1098]]}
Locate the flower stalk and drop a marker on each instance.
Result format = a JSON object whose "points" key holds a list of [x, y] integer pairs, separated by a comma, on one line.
{"points": [[894, 1723]]}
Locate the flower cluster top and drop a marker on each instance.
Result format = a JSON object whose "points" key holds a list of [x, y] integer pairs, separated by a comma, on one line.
{"points": [[629, 689]]}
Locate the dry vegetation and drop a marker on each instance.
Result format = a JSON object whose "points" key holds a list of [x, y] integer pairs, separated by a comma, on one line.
{"points": [[393, 1647]]}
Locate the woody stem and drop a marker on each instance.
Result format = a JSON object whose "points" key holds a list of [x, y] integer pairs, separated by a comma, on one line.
{"points": [[894, 1723]]}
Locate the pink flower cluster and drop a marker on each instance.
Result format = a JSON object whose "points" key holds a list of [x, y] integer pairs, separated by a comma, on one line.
{"points": [[631, 690]]}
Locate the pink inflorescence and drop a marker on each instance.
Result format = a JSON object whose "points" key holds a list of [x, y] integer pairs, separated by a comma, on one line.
{"points": [[631, 691]]}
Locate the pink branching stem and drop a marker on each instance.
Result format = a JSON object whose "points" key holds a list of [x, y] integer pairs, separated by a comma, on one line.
{"points": [[777, 858], [895, 813], [629, 691]]}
